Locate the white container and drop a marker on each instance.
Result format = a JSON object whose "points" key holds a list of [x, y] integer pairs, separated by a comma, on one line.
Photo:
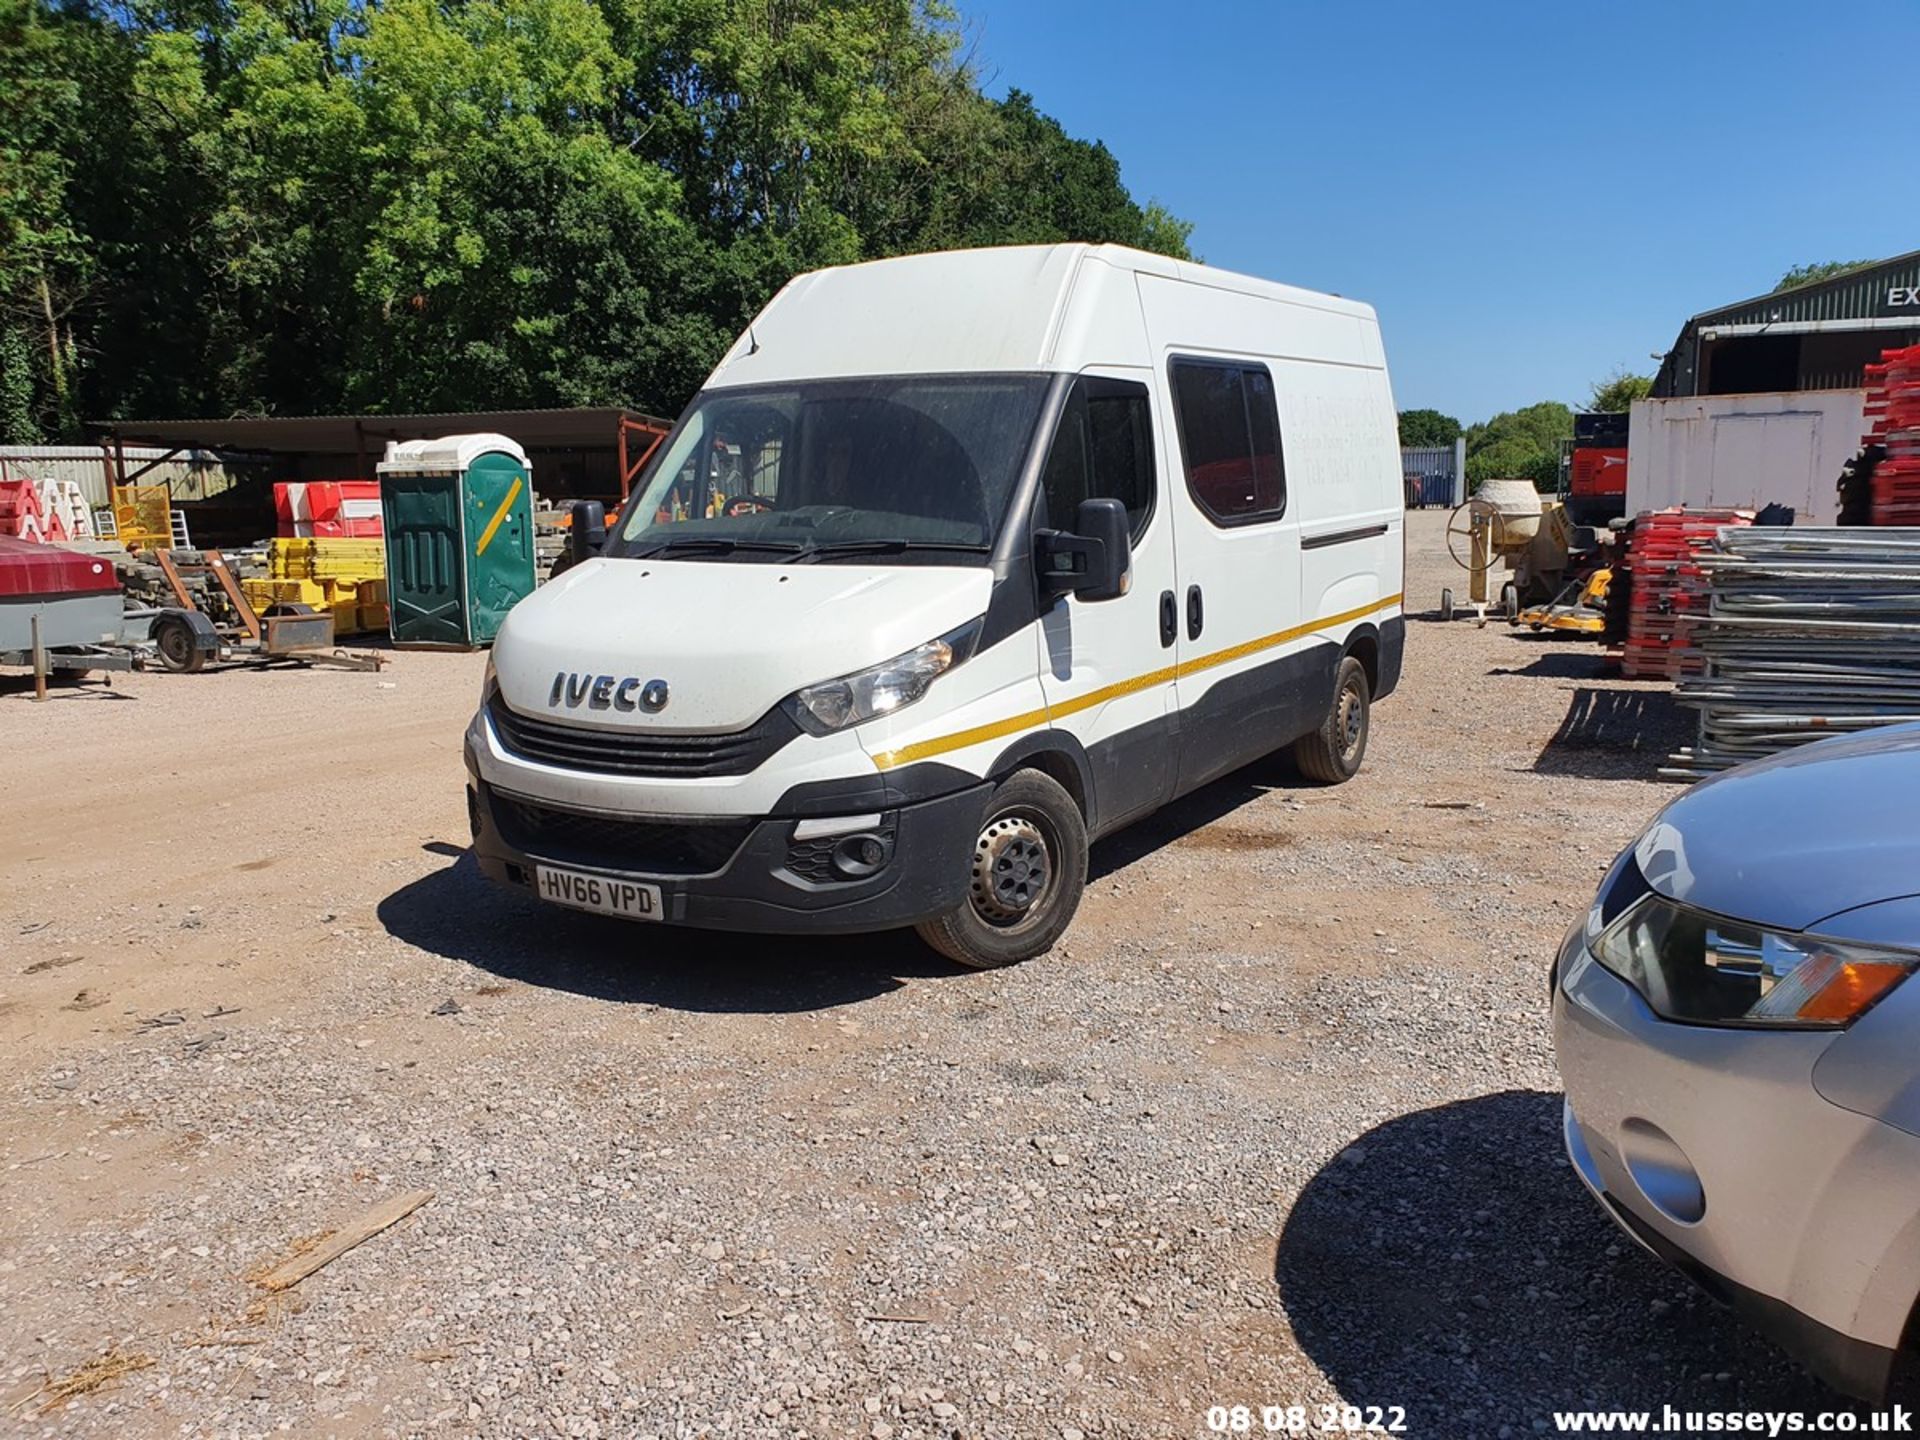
{"points": [[1744, 451]]}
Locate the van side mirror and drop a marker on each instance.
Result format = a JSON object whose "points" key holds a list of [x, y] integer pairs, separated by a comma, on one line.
{"points": [[1095, 562], [589, 533]]}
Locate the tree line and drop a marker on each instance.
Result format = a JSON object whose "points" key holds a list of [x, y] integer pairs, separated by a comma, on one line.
{"points": [[1520, 444], [1525, 444], [218, 207]]}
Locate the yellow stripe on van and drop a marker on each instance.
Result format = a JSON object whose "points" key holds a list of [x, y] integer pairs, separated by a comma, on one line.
{"points": [[1014, 724]]}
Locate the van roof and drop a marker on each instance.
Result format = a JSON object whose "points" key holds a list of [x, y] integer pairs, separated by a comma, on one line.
{"points": [[927, 314]]}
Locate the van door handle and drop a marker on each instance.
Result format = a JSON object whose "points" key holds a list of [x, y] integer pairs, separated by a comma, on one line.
{"points": [[1169, 618], [1196, 613]]}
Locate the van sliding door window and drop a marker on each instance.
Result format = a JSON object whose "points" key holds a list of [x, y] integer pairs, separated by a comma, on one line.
{"points": [[1102, 449], [1230, 440]]}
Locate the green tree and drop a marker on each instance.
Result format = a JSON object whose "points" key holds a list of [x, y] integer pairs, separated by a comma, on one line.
{"points": [[1616, 393], [321, 205], [1520, 445], [44, 258], [1427, 427], [18, 425], [1820, 270]]}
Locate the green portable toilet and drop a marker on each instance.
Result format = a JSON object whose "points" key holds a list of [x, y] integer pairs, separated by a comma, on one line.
{"points": [[458, 515]]}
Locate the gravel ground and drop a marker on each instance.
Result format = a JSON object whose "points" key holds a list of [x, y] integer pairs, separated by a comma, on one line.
{"points": [[1277, 1124]]}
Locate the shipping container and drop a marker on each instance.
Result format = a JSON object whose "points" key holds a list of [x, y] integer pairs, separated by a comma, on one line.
{"points": [[1744, 451]]}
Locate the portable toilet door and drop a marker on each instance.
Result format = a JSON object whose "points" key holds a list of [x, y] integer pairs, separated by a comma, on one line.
{"points": [[458, 515]]}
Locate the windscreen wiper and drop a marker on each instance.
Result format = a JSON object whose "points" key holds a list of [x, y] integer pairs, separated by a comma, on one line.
{"points": [[716, 545], [833, 548]]}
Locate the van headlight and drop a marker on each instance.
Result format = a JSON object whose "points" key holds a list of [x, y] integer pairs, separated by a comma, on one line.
{"points": [[1706, 970], [884, 688], [490, 681]]}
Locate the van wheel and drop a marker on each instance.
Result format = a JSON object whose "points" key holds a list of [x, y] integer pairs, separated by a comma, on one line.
{"points": [[1333, 753], [1029, 867]]}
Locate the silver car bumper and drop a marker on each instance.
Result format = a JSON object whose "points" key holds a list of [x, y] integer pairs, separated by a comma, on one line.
{"points": [[1712, 1148]]}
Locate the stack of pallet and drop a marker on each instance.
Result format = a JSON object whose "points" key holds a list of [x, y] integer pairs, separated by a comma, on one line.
{"points": [[1813, 631], [1893, 408], [51, 512], [1669, 591], [348, 577]]}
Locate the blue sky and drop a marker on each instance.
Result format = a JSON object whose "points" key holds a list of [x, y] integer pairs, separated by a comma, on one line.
{"points": [[1530, 194]]}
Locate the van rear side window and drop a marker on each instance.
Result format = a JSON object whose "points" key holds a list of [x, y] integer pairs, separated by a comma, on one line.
{"points": [[1230, 440]]}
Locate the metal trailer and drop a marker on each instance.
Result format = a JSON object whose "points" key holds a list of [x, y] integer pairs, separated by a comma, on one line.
{"points": [[186, 639]]}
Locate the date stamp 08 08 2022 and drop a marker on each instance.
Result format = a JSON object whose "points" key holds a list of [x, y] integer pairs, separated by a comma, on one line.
{"points": [[1307, 1419]]}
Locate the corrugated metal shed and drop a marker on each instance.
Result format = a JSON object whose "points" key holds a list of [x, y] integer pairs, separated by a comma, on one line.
{"points": [[190, 474], [575, 452], [1813, 337]]}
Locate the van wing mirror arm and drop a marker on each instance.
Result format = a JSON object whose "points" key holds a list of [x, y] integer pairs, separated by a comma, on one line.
{"points": [[1094, 560]]}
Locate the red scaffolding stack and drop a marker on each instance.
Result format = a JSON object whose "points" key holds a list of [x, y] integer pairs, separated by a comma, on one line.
{"points": [[1670, 593], [1893, 415]]}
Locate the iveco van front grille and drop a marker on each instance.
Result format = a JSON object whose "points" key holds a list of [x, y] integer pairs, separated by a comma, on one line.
{"points": [[642, 752], [646, 847]]}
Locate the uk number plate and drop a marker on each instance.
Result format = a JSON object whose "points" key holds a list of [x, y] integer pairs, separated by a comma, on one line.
{"points": [[628, 899]]}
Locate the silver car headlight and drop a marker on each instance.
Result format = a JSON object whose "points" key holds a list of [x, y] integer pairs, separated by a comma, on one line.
{"points": [[881, 689], [1707, 970]]}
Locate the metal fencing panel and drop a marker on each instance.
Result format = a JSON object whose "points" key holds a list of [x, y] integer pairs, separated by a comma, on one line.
{"points": [[1434, 474]]}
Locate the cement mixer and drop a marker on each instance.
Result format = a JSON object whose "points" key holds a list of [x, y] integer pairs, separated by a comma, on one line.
{"points": [[1510, 523]]}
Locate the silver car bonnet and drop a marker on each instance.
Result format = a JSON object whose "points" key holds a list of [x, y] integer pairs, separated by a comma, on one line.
{"points": [[1796, 838]]}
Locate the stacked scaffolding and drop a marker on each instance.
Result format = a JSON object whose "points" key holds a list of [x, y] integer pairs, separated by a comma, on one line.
{"points": [[1668, 600], [1810, 633]]}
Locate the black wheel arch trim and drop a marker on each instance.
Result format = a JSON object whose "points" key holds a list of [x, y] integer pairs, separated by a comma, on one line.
{"points": [[1064, 749]]}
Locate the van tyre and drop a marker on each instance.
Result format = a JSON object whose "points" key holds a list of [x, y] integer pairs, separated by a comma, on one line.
{"points": [[1332, 754], [1027, 872]]}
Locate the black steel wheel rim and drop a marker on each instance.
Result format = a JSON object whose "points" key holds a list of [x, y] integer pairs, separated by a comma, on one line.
{"points": [[1352, 720], [1014, 869], [176, 644]]}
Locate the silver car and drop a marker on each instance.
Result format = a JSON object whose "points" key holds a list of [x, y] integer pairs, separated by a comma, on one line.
{"points": [[1739, 1034]]}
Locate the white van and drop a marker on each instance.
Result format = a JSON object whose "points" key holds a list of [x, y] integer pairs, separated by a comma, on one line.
{"points": [[957, 563]]}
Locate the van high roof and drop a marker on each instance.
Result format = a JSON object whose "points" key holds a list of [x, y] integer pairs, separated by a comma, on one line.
{"points": [[999, 309]]}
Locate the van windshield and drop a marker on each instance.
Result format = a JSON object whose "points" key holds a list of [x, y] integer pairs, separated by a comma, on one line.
{"points": [[922, 467]]}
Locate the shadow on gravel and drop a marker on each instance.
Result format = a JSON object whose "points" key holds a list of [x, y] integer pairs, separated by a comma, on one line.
{"points": [[1449, 1262], [1616, 735], [59, 687], [1585, 663], [456, 913], [1205, 806]]}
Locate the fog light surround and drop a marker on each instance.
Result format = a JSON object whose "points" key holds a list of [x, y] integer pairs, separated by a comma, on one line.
{"points": [[1663, 1172], [859, 856]]}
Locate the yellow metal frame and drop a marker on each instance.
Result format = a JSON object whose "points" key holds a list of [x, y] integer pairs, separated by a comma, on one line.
{"points": [[143, 516]]}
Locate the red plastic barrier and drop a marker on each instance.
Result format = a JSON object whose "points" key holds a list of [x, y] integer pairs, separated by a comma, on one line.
{"points": [[328, 509]]}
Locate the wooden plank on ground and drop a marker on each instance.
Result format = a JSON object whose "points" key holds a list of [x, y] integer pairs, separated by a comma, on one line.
{"points": [[295, 1268]]}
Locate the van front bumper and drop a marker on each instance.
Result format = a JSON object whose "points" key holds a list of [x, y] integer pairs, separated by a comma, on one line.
{"points": [[757, 886]]}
